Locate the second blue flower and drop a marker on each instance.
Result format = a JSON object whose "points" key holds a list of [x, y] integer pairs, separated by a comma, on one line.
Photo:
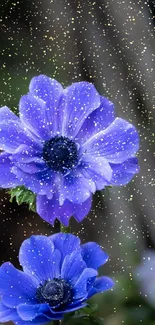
{"points": [[59, 275]]}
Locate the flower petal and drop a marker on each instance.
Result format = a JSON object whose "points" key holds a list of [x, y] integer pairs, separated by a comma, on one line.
{"points": [[80, 287], [65, 243], [72, 267], [6, 114], [50, 209], [72, 308], [33, 116], [7, 178], [97, 169], [27, 154], [40, 183], [117, 143], [93, 255], [7, 314], [36, 321], [101, 284], [28, 159], [123, 173], [81, 210], [16, 286], [30, 312], [97, 121], [49, 90], [38, 258], [33, 167], [76, 188], [78, 101], [12, 135]]}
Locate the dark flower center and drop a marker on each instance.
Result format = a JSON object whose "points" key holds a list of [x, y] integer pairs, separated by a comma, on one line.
{"points": [[54, 292], [60, 154]]}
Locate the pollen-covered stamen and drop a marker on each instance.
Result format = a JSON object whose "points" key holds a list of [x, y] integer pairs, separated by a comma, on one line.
{"points": [[60, 154], [54, 292]]}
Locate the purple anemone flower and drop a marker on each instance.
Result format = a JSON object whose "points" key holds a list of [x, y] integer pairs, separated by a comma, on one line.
{"points": [[65, 145], [58, 276]]}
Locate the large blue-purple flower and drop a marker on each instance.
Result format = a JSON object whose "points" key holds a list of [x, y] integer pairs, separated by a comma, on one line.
{"points": [[59, 276], [65, 145]]}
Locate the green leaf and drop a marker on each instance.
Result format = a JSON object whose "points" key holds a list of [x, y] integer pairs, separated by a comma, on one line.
{"points": [[90, 309], [84, 320], [67, 317], [84, 316], [23, 195]]}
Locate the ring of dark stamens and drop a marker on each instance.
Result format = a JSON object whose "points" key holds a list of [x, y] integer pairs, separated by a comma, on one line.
{"points": [[60, 153], [55, 292]]}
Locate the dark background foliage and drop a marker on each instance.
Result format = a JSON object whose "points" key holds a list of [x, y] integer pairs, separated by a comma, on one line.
{"points": [[110, 43]]}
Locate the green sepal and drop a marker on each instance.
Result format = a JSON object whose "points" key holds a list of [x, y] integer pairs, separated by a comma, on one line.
{"points": [[64, 229], [107, 190], [83, 316], [84, 320], [23, 195], [90, 309]]}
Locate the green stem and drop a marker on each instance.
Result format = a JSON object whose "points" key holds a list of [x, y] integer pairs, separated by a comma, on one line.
{"points": [[64, 229], [56, 322]]}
